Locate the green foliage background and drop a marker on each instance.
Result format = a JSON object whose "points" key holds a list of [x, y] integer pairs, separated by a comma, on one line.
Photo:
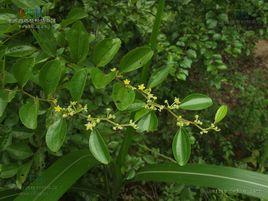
{"points": [[207, 47]]}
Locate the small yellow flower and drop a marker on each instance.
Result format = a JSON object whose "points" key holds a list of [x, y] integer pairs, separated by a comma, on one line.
{"points": [[113, 69], [89, 126], [54, 101], [58, 108], [71, 113], [141, 87], [73, 103], [126, 82], [85, 108], [177, 101]]}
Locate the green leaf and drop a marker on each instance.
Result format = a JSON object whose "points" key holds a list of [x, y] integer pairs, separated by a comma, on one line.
{"points": [[6, 96], [122, 96], [101, 80], [21, 134], [105, 51], [196, 102], [28, 113], [59, 177], [98, 147], [19, 151], [46, 40], [141, 113], [186, 63], [56, 134], [9, 78], [22, 70], [8, 171], [74, 15], [27, 3], [50, 75], [221, 113], [158, 77], [181, 147], [20, 51], [23, 173], [136, 105], [136, 58], [6, 16], [148, 122], [191, 54], [77, 84], [225, 178], [78, 40]]}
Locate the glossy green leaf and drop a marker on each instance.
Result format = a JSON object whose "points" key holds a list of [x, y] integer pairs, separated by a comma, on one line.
{"points": [[46, 40], [136, 105], [148, 122], [28, 113], [19, 151], [101, 80], [74, 15], [224, 178], [22, 70], [6, 96], [56, 134], [158, 77], [136, 58], [181, 147], [141, 113], [78, 40], [20, 51], [27, 3], [196, 102], [50, 75], [105, 51], [22, 174], [59, 177], [8, 171], [221, 113], [122, 96], [77, 84], [98, 147]]}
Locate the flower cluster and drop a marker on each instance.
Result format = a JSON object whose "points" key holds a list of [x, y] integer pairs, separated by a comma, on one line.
{"points": [[71, 110], [91, 122], [182, 122], [75, 108], [146, 92], [151, 104], [174, 105], [197, 120]]}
